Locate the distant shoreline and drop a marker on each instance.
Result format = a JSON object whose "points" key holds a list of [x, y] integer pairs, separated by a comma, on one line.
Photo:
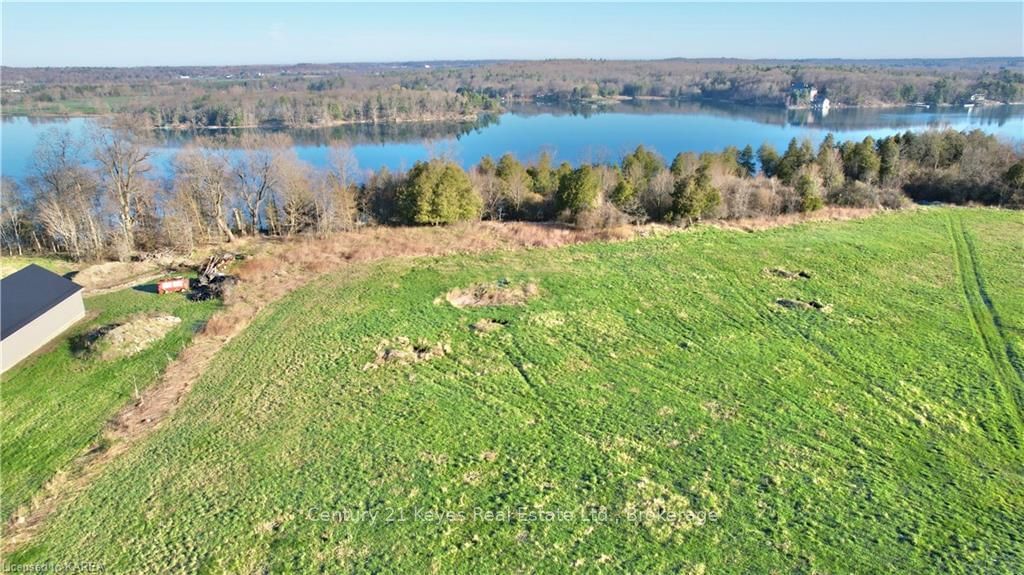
{"points": [[462, 119], [474, 118]]}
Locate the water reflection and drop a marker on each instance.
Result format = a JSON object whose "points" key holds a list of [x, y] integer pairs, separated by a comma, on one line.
{"points": [[835, 119], [352, 134], [575, 133]]}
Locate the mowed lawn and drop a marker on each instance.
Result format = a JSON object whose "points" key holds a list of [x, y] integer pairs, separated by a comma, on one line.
{"points": [[56, 403], [652, 410]]}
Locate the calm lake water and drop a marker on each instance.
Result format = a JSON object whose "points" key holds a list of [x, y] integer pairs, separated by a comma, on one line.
{"points": [[573, 134]]}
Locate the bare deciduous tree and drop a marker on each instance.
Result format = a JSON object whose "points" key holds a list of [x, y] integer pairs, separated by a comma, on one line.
{"points": [[202, 177], [124, 161], [12, 213], [67, 194], [656, 197], [335, 200], [491, 192], [297, 201], [254, 174]]}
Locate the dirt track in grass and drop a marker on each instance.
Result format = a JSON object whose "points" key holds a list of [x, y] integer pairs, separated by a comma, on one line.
{"points": [[278, 268]]}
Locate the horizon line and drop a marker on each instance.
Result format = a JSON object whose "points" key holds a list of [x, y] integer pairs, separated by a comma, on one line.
{"points": [[512, 60]]}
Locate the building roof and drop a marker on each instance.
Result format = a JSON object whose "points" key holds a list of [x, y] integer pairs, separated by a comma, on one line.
{"points": [[29, 293]]}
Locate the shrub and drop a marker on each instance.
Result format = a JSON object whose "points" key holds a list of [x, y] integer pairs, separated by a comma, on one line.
{"points": [[1013, 180], [892, 198], [854, 194], [603, 217]]}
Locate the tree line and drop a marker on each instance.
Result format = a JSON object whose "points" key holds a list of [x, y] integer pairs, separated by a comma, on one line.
{"points": [[317, 95], [101, 198]]}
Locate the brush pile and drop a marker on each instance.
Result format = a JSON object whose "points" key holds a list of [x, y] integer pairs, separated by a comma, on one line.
{"points": [[212, 281]]}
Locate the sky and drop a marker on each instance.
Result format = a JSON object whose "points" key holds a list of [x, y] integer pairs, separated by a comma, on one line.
{"points": [[158, 34]]}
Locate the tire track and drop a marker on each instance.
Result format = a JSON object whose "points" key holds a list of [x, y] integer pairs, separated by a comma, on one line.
{"points": [[1015, 360], [986, 323]]}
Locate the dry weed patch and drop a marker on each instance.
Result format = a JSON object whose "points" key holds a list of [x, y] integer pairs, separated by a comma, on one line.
{"points": [[806, 305], [786, 274], [502, 292], [403, 351], [118, 340], [487, 325]]}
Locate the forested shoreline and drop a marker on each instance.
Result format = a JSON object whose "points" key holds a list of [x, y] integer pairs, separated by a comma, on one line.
{"points": [[310, 95], [99, 197]]}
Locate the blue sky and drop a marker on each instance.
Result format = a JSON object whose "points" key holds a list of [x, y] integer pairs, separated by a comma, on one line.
{"points": [[144, 33]]}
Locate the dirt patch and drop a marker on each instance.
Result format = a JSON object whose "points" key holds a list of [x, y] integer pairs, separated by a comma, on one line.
{"points": [[117, 340], [487, 325], [109, 275], [84, 345], [499, 293], [295, 264], [806, 305], [786, 274], [404, 351]]}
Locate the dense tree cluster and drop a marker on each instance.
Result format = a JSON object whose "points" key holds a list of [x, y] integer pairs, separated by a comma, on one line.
{"points": [[279, 101], [101, 198], [438, 192], [318, 95]]}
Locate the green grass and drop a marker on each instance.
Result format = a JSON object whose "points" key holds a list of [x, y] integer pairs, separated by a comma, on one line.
{"points": [[69, 107], [1001, 256], [11, 264], [653, 375], [55, 404]]}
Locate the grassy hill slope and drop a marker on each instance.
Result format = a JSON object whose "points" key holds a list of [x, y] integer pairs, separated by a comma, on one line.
{"points": [[653, 409], [56, 403]]}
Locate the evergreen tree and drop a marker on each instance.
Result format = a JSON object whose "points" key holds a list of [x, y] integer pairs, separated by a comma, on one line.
{"points": [[796, 157], [683, 164], [810, 196], [889, 161], [748, 162], [578, 189], [545, 181], [694, 196], [865, 161], [828, 143], [623, 193], [438, 192], [648, 162], [769, 159], [486, 166]]}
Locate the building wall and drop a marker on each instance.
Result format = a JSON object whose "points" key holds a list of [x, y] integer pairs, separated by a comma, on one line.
{"points": [[40, 331]]}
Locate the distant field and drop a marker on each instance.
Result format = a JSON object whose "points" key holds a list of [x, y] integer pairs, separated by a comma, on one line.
{"points": [[11, 264], [651, 409], [70, 107]]}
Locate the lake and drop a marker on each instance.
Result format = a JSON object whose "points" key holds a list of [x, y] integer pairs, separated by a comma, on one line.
{"points": [[570, 133]]}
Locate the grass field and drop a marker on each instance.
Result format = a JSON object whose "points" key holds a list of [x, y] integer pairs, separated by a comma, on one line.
{"points": [[56, 403], [652, 409], [70, 107], [11, 264]]}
